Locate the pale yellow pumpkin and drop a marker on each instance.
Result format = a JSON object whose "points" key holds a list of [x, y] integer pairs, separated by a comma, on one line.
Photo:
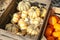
{"points": [[44, 11], [34, 12], [16, 17], [23, 6], [35, 21], [22, 24]]}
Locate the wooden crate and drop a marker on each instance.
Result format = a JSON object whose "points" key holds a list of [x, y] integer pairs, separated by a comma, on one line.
{"points": [[9, 9]]}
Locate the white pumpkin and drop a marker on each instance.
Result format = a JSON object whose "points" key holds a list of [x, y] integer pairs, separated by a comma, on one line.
{"points": [[35, 21], [12, 28], [33, 30], [34, 12], [16, 17], [22, 24], [23, 6]]}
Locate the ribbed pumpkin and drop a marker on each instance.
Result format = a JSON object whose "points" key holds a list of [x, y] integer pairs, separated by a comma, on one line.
{"points": [[34, 12], [12, 28], [33, 30], [22, 24], [16, 17], [35, 21], [23, 6]]}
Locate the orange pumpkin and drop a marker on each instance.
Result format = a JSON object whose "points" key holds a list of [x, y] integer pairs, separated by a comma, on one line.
{"points": [[56, 34], [50, 38], [57, 27], [48, 31], [52, 20]]}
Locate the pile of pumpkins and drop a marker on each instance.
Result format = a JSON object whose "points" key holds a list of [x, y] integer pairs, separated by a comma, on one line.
{"points": [[53, 29], [27, 20]]}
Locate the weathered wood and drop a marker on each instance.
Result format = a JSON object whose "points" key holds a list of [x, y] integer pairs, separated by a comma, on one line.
{"points": [[5, 35], [9, 9]]}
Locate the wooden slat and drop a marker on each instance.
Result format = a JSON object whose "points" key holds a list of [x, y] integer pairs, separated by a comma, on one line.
{"points": [[5, 14]]}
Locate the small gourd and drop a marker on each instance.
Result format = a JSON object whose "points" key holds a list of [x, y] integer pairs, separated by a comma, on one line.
{"points": [[22, 24], [33, 30], [23, 6], [35, 21], [16, 17], [12, 28], [44, 11], [34, 12]]}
